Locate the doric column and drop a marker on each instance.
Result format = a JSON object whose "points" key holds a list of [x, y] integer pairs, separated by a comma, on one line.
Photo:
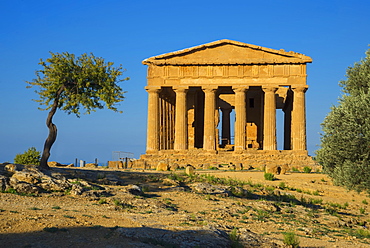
{"points": [[181, 120], [241, 118], [269, 119], [299, 119], [152, 142], [226, 135], [209, 140]]}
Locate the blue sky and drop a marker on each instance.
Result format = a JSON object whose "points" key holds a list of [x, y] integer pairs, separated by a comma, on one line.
{"points": [[334, 33]]}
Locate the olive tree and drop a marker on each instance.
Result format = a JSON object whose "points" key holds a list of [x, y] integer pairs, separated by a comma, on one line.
{"points": [[345, 141], [74, 85]]}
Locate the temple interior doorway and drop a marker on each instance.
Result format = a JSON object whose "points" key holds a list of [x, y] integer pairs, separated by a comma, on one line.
{"points": [[226, 128]]}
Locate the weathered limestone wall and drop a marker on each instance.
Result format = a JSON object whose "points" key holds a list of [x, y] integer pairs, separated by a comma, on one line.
{"points": [[252, 158]]}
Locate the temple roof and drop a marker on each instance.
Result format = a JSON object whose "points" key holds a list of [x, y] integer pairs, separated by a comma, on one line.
{"points": [[228, 52]]}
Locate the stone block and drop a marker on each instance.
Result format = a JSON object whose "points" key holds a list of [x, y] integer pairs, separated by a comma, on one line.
{"points": [[113, 164], [276, 169], [92, 165], [174, 167], [53, 164], [162, 166], [284, 169], [272, 168], [190, 170], [27, 177]]}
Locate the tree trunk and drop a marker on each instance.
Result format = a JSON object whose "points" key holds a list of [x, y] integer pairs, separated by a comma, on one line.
{"points": [[52, 133]]}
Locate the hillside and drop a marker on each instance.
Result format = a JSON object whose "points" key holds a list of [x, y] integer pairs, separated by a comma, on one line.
{"points": [[131, 208]]}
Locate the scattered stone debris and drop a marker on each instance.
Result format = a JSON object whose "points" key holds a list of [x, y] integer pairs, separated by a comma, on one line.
{"points": [[30, 180], [56, 164], [150, 211], [206, 188]]}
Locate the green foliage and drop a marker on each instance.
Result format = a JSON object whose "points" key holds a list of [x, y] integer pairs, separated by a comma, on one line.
{"points": [[294, 169], [78, 82], [68, 216], [307, 169], [345, 142], [362, 210], [360, 233], [34, 208], [117, 202], [74, 85], [269, 176], [234, 237], [291, 239], [31, 156], [282, 185]]}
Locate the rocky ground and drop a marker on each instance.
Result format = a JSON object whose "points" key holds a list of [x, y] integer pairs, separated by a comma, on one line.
{"points": [[75, 207]]}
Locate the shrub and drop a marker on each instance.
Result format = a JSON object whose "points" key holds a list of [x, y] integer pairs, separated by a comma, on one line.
{"points": [[307, 169], [294, 169], [362, 211], [31, 156], [269, 176], [291, 239], [361, 233], [282, 185], [234, 237]]}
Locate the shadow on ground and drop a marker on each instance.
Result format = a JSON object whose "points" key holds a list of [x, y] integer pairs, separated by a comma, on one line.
{"points": [[98, 236]]}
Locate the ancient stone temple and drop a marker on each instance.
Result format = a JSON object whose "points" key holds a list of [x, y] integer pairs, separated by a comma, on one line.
{"points": [[216, 104]]}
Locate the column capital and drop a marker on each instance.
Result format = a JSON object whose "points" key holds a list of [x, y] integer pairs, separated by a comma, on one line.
{"points": [[180, 88], [153, 89], [240, 88], [300, 88], [269, 89], [209, 89]]}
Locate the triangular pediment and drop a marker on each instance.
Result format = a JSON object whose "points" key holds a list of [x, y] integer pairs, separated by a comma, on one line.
{"points": [[228, 52]]}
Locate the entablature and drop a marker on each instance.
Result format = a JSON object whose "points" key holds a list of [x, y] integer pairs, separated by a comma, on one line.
{"points": [[227, 71]]}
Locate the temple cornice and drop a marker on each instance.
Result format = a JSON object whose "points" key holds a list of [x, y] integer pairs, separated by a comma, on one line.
{"points": [[228, 52]]}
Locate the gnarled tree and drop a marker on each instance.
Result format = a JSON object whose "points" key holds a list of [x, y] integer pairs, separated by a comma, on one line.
{"points": [[73, 84]]}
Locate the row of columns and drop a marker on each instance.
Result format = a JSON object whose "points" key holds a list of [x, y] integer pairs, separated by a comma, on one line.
{"points": [[298, 123]]}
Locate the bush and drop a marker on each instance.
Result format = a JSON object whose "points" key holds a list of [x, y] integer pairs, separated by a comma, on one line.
{"points": [[307, 169], [291, 239], [30, 157], [345, 141], [269, 176], [294, 169]]}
